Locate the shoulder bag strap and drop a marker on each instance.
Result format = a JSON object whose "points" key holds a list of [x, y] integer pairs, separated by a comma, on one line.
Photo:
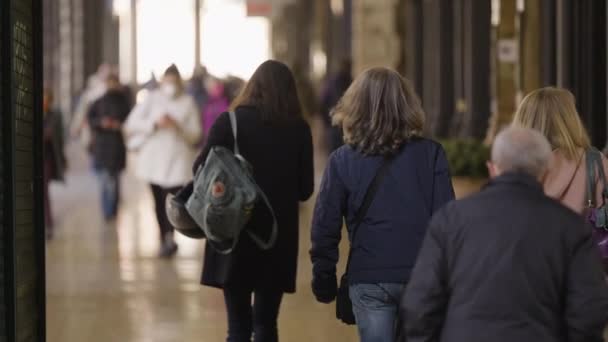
{"points": [[602, 173], [367, 201], [591, 185], [234, 131]]}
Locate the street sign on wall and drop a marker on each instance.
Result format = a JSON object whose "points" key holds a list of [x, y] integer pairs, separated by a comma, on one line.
{"points": [[266, 8]]}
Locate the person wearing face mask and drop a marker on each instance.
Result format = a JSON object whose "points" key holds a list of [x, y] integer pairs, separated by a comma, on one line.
{"points": [[163, 131]]}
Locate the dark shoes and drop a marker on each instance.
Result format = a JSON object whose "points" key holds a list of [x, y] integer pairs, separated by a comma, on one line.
{"points": [[168, 250]]}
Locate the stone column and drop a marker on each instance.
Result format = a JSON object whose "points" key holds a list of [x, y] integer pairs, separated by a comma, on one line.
{"points": [[531, 68], [78, 37], [375, 39], [506, 58], [64, 94]]}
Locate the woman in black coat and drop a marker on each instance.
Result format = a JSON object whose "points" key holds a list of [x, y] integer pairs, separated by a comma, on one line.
{"points": [[277, 142]]}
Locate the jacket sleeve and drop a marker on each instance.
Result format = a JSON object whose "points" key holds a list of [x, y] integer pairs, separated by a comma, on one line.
{"points": [[587, 294], [137, 120], [307, 182], [425, 299], [220, 134], [190, 123], [443, 191], [125, 110], [326, 233]]}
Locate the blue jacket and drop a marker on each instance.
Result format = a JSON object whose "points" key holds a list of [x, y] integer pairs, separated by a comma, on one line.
{"points": [[387, 243]]}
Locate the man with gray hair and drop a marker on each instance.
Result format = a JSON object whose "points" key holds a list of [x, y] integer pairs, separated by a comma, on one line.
{"points": [[509, 263]]}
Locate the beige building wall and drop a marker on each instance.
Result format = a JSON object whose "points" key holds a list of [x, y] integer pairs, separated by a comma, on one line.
{"points": [[375, 38]]}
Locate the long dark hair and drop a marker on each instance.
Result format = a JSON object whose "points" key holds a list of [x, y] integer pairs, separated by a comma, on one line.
{"points": [[272, 91]]}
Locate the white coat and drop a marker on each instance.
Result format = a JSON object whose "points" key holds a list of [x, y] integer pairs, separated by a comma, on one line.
{"points": [[165, 156]]}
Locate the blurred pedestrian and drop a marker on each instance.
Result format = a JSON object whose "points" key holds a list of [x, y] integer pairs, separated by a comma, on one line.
{"points": [[385, 183], [163, 130], [196, 87], [217, 103], [305, 90], [95, 88], [335, 86], [232, 87], [508, 264], [277, 142], [106, 118], [54, 157]]}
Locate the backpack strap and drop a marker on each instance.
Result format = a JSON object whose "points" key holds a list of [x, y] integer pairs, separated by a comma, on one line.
{"points": [[233, 124], [266, 245]]}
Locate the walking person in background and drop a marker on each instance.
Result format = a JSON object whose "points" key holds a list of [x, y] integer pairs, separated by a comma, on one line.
{"points": [[277, 142], [196, 87], [217, 103], [106, 118], [95, 88], [164, 130], [54, 156], [333, 90], [508, 264], [382, 121]]}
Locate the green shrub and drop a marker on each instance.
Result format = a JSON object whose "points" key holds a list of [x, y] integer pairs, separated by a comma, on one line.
{"points": [[467, 158]]}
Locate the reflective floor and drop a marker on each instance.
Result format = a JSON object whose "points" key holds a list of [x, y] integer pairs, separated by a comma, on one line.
{"points": [[104, 282]]}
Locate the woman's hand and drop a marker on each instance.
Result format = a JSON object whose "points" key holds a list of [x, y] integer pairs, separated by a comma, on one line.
{"points": [[166, 121]]}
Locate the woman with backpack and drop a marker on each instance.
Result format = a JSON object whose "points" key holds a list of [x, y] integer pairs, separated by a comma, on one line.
{"points": [[276, 141], [385, 183]]}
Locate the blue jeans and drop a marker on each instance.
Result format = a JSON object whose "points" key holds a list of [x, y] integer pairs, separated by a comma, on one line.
{"points": [[110, 192], [375, 307]]}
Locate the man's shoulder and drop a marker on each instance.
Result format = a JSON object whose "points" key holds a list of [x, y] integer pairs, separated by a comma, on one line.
{"points": [[509, 202]]}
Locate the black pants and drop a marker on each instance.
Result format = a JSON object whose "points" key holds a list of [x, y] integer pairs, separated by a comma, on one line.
{"points": [[259, 319], [160, 194]]}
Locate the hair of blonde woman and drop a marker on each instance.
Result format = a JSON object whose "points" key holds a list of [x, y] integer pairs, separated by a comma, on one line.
{"points": [[379, 112], [552, 111]]}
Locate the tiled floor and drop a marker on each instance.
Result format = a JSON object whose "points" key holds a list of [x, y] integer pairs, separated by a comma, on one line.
{"points": [[104, 283]]}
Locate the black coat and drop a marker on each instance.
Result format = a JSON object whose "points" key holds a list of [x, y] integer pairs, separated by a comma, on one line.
{"points": [[108, 146], [281, 155], [508, 264]]}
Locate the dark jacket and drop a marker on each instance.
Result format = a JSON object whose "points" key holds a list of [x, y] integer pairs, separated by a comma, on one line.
{"points": [[387, 243], [281, 155], [55, 161], [508, 264], [108, 146]]}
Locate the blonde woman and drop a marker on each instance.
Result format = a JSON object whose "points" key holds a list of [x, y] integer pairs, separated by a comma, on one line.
{"points": [[382, 120], [552, 111]]}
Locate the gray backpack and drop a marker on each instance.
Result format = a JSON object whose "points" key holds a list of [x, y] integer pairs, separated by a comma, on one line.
{"points": [[224, 196]]}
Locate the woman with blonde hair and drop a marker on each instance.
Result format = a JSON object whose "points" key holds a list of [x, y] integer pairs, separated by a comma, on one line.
{"points": [[385, 183], [552, 111]]}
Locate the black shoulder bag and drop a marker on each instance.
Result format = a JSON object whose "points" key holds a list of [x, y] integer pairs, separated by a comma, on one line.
{"points": [[344, 306]]}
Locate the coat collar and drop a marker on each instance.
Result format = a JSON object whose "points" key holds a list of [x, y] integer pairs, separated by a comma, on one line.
{"points": [[516, 179]]}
